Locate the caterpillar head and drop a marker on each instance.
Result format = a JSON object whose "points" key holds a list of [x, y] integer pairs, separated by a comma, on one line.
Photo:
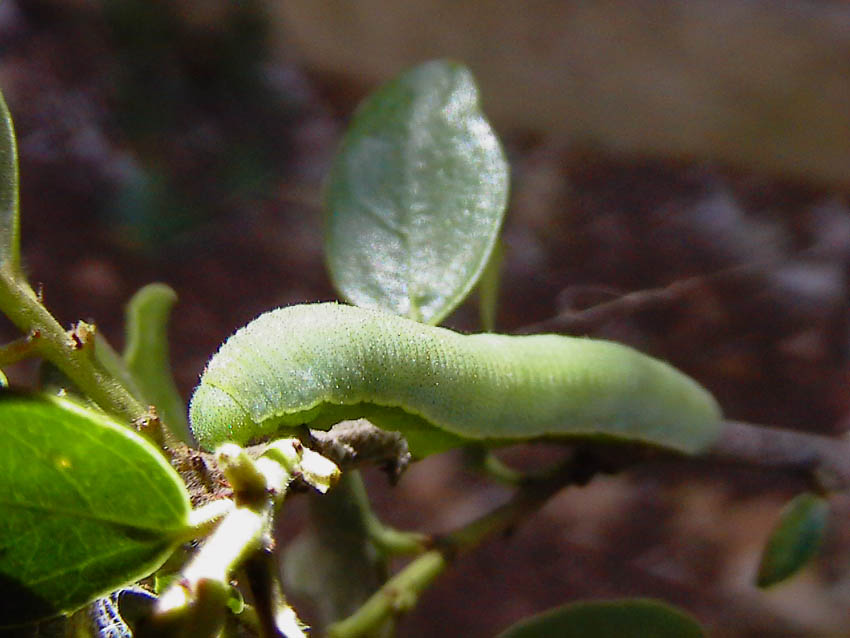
{"points": [[220, 413]]}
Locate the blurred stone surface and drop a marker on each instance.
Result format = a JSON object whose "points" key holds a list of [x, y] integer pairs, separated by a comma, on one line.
{"points": [[754, 84]]}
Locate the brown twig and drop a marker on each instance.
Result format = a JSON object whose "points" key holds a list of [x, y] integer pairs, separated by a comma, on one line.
{"points": [[583, 320], [825, 461]]}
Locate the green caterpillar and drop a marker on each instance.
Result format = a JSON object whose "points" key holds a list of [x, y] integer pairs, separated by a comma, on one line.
{"points": [[318, 364]]}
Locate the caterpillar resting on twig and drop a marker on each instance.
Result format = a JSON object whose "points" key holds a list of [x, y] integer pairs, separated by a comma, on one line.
{"points": [[318, 364]]}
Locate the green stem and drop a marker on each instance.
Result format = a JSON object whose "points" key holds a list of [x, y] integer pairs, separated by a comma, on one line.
{"points": [[350, 566], [525, 502], [258, 488], [204, 519], [239, 533], [76, 359], [386, 539], [488, 288], [200, 593], [483, 460], [274, 617], [401, 592], [394, 542]]}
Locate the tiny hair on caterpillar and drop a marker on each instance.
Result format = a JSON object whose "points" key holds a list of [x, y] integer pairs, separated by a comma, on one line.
{"points": [[319, 364]]}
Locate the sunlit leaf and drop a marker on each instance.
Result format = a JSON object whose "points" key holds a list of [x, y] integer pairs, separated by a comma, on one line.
{"points": [[86, 506], [795, 540], [9, 222], [628, 618], [416, 195]]}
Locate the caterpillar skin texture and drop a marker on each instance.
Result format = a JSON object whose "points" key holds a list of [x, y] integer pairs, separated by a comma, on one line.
{"points": [[318, 364]]}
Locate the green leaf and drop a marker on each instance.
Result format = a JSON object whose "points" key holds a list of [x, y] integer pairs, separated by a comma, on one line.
{"points": [[86, 506], [9, 221], [147, 357], [628, 618], [795, 540], [416, 195]]}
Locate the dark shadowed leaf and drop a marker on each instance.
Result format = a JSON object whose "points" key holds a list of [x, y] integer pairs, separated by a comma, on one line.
{"points": [[333, 563], [416, 195], [86, 506], [9, 223], [629, 618], [795, 540]]}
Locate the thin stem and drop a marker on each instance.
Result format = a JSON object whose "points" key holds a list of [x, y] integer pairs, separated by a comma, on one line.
{"points": [[18, 350], [351, 569], [242, 530], [204, 519], [525, 502], [259, 488], [401, 592], [388, 540], [274, 617], [74, 357], [484, 461], [392, 541], [236, 537], [823, 461]]}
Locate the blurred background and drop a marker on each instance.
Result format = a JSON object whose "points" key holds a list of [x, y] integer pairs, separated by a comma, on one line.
{"points": [[693, 155]]}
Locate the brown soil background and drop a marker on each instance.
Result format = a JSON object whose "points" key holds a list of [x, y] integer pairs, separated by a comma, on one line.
{"points": [[170, 144]]}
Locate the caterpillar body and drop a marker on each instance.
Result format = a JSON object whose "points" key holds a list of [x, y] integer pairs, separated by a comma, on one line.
{"points": [[318, 364]]}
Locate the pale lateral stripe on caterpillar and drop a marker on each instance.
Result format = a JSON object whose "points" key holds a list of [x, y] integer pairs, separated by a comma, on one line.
{"points": [[318, 364]]}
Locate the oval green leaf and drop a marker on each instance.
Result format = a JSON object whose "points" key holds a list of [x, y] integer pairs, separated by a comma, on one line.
{"points": [[86, 506], [9, 222], [416, 195], [795, 540], [629, 618]]}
